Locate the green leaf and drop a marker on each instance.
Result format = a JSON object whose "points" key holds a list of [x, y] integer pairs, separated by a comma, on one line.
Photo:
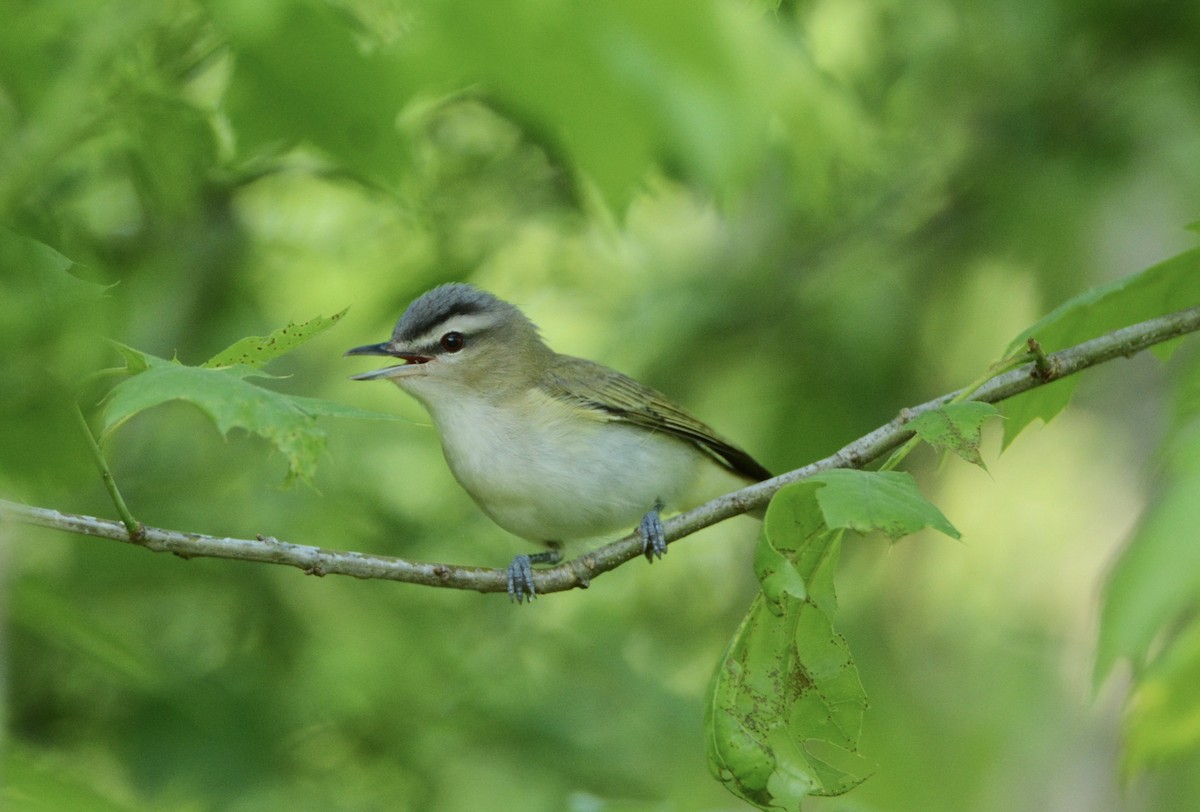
{"points": [[257, 350], [302, 75], [1042, 403], [777, 574], [786, 704], [796, 526], [44, 305], [785, 709], [230, 400], [955, 427], [1157, 577], [889, 501], [1150, 610], [1164, 288], [49, 321], [135, 360], [795, 523], [43, 274], [625, 87], [1163, 721]]}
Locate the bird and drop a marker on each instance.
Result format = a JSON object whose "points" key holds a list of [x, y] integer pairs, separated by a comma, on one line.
{"points": [[552, 448]]}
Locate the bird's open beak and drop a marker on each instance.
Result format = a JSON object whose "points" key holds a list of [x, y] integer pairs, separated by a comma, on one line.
{"points": [[411, 361]]}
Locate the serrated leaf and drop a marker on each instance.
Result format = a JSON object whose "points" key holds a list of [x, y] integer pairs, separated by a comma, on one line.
{"points": [[786, 704], [135, 360], [888, 501], [228, 398], [255, 351], [1158, 290], [955, 427]]}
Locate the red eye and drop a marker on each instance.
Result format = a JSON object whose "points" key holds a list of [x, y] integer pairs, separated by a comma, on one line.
{"points": [[453, 342]]}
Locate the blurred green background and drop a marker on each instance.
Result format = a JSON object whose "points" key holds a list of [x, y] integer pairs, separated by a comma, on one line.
{"points": [[795, 218]]}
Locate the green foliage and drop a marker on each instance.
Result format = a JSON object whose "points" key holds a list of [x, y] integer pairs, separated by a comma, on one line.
{"points": [[41, 277], [255, 351], [1169, 286], [801, 216], [1160, 724], [293, 66], [1150, 614], [955, 427], [1149, 611], [1155, 582], [50, 323], [888, 501], [786, 706], [220, 388], [622, 87], [47, 303], [42, 784]]}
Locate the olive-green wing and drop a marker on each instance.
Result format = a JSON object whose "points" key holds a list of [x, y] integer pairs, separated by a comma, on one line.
{"points": [[618, 397]]}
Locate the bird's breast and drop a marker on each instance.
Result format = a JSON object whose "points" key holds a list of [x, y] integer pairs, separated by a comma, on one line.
{"points": [[552, 471]]}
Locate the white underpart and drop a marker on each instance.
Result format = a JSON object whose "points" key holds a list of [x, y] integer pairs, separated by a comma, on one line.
{"points": [[563, 477]]}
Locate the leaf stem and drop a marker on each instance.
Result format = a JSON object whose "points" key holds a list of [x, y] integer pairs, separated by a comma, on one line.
{"points": [[136, 529]]}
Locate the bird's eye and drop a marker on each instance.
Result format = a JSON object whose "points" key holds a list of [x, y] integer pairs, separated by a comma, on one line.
{"points": [[453, 342]]}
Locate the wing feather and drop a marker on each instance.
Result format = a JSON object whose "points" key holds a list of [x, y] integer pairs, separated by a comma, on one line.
{"points": [[613, 396]]}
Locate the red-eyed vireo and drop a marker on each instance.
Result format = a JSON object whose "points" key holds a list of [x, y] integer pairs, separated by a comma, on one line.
{"points": [[552, 448]]}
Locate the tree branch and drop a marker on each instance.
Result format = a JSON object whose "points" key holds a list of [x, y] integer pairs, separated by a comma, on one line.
{"points": [[578, 572]]}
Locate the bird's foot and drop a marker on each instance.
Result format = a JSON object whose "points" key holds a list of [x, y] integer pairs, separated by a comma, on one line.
{"points": [[654, 536], [520, 572]]}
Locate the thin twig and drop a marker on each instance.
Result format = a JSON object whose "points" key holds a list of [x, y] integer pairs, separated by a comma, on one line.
{"points": [[578, 572]]}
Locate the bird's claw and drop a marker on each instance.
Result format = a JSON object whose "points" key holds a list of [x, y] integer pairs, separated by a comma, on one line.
{"points": [[654, 536], [520, 572], [520, 579]]}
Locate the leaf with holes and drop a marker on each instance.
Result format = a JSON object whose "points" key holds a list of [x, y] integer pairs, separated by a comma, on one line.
{"points": [[786, 705], [257, 350]]}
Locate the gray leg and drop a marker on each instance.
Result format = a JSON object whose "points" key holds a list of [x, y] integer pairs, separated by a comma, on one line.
{"points": [[654, 537], [520, 571]]}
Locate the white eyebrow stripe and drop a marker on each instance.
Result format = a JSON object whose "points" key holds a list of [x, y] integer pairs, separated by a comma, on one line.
{"points": [[469, 324]]}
